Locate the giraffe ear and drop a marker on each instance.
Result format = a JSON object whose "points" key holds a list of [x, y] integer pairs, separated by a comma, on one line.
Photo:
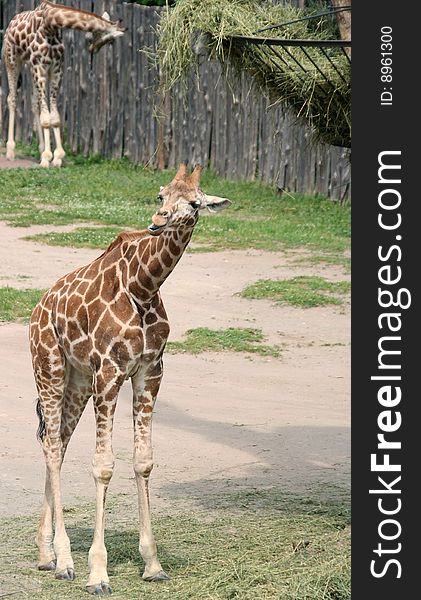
{"points": [[215, 203], [106, 16]]}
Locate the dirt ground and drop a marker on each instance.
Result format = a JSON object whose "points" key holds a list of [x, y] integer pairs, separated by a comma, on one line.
{"points": [[18, 163], [223, 422]]}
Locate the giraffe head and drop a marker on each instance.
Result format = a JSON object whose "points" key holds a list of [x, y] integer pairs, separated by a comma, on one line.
{"points": [[98, 39], [181, 201]]}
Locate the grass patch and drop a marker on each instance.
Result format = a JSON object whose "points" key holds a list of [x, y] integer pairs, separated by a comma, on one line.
{"points": [[325, 259], [121, 194], [17, 305], [295, 549], [303, 292], [82, 237], [233, 339]]}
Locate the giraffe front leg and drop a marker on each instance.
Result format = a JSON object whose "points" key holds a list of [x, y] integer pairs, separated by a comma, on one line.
{"points": [[55, 80], [59, 152], [37, 123], [145, 390], [46, 155], [106, 387], [102, 469], [39, 77]]}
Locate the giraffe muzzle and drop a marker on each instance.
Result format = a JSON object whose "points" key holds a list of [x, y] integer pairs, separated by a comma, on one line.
{"points": [[98, 40], [155, 229], [160, 220]]}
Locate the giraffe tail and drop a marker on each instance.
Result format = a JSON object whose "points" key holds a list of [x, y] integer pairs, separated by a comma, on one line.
{"points": [[41, 425]]}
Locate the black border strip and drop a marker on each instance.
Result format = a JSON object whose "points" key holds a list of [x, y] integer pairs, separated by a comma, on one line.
{"points": [[387, 123]]}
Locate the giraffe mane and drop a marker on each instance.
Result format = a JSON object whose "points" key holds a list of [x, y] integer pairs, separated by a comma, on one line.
{"points": [[75, 10], [124, 236]]}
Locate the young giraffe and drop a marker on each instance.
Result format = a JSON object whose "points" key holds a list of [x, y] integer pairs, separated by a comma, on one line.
{"points": [[95, 328], [34, 37]]}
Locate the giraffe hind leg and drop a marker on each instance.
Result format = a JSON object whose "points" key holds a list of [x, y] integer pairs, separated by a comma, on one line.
{"points": [[41, 421], [50, 377], [47, 560], [78, 391], [76, 396], [47, 557], [13, 68]]}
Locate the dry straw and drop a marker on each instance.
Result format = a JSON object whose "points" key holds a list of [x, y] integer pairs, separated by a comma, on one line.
{"points": [[322, 100]]}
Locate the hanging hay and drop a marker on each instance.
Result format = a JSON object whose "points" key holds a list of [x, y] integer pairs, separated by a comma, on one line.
{"points": [[325, 105]]}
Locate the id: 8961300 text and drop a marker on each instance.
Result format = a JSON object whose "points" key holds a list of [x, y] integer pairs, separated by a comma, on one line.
{"points": [[386, 71]]}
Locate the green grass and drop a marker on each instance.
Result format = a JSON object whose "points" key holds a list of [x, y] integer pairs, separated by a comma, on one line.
{"points": [[233, 339], [327, 259], [259, 546], [17, 305], [120, 194], [82, 237], [303, 292]]}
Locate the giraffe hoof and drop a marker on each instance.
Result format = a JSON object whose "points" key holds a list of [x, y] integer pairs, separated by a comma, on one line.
{"points": [[57, 162], [99, 589], [68, 574], [44, 163], [160, 576], [10, 150], [51, 566]]}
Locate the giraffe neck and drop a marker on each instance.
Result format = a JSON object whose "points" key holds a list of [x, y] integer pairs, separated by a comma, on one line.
{"points": [[155, 260], [63, 17]]}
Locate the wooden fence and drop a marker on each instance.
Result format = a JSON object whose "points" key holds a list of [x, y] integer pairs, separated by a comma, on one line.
{"points": [[109, 106]]}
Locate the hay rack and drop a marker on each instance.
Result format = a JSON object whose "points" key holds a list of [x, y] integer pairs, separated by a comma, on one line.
{"points": [[282, 50]]}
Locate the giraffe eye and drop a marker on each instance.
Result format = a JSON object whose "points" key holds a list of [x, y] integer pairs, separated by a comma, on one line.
{"points": [[160, 198], [195, 203]]}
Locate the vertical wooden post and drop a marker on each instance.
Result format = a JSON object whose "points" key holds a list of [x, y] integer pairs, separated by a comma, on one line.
{"points": [[162, 117], [343, 19]]}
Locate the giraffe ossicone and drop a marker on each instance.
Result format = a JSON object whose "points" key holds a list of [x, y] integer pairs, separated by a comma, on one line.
{"points": [[34, 37], [96, 327]]}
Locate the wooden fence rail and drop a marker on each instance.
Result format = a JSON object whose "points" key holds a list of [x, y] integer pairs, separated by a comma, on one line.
{"points": [[109, 106]]}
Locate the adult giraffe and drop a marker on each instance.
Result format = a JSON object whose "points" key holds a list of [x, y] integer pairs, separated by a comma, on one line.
{"points": [[95, 328], [34, 37]]}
